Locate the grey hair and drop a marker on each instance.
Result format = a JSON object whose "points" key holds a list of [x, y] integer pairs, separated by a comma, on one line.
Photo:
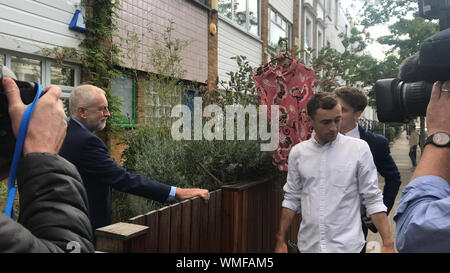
{"points": [[82, 95]]}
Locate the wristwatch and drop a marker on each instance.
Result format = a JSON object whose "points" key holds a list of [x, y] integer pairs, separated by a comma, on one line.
{"points": [[439, 139]]}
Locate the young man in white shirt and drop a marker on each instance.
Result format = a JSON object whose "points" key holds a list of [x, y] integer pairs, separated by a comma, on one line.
{"points": [[329, 176]]}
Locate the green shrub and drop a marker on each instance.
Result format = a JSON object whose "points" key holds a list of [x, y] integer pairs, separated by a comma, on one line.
{"points": [[4, 198], [154, 154]]}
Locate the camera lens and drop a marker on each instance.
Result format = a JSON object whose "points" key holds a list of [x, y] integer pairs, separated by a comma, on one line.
{"points": [[387, 98], [398, 101], [415, 98]]}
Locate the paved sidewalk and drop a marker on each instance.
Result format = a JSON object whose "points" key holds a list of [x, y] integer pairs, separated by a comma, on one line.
{"points": [[399, 152]]}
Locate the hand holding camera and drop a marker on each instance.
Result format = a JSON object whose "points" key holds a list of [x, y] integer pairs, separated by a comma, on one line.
{"points": [[47, 127], [438, 115]]}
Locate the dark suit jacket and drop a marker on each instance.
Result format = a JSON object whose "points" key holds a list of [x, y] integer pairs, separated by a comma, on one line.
{"points": [[100, 173], [379, 146]]}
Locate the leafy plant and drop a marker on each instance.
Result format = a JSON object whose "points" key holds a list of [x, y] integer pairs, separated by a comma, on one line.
{"points": [[4, 198], [153, 153]]}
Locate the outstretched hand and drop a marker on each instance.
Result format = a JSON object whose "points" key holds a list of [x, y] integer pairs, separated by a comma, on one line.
{"points": [[189, 193]]}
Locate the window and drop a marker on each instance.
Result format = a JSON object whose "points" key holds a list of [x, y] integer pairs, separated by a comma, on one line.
{"points": [[124, 89], [240, 12], [244, 13], [62, 75], [328, 8], [26, 69], [278, 28], [44, 70], [253, 17], [308, 34], [225, 8], [336, 13], [319, 41], [308, 39]]}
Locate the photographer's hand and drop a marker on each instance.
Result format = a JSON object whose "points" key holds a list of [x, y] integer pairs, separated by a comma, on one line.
{"points": [[438, 113], [47, 127], [434, 160]]}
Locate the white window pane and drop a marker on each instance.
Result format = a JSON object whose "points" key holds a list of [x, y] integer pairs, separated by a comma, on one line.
{"points": [[276, 33], [283, 25], [2, 59], [62, 75], [273, 16], [253, 17], [123, 89], [319, 41], [26, 69], [308, 31], [279, 20], [225, 8], [240, 12]]}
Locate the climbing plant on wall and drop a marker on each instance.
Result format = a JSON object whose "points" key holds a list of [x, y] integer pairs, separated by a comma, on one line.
{"points": [[100, 56]]}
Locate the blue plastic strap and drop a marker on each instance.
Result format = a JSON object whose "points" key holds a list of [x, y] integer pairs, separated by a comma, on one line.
{"points": [[18, 153]]}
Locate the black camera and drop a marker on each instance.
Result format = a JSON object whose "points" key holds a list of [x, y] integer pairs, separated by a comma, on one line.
{"points": [[405, 98], [28, 91]]}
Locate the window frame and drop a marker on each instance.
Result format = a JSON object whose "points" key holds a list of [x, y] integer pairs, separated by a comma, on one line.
{"points": [[247, 28], [289, 25], [320, 45], [45, 77], [308, 57], [132, 76]]}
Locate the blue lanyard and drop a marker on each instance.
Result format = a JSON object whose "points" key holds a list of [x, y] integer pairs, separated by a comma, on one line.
{"points": [[18, 153]]}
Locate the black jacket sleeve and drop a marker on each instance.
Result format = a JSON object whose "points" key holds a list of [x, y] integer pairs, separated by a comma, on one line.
{"points": [[53, 208], [101, 168], [387, 169]]}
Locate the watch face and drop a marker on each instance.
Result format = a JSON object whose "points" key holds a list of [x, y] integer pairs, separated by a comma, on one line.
{"points": [[441, 139]]}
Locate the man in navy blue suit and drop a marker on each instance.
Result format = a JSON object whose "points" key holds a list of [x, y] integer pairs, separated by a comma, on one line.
{"points": [[89, 111], [353, 102]]}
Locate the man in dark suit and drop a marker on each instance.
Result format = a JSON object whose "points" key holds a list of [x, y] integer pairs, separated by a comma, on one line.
{"points": [[353, 102], [89, 111]]}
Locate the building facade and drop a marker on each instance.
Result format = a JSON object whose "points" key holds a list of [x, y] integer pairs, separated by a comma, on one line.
{"points": [[27, 30], [216, 31]]}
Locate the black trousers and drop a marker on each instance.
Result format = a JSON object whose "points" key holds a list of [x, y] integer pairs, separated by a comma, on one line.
{"points": [[413, 154], [365, 231]]}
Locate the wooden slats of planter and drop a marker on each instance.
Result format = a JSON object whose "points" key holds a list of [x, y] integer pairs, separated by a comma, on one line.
{"points": [[188, 226], [238, 218]]}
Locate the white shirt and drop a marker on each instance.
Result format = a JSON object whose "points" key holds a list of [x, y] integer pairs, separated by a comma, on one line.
{"points": [[327, 185], [354, 132]]}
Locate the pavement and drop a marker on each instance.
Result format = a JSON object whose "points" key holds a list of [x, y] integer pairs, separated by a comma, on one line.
{"points": [[399, 152]]}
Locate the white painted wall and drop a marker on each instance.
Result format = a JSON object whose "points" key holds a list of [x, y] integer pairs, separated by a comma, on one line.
{"points": [[234, 42], [29, 26], [285, 8], [369, 113], [335, 26]]}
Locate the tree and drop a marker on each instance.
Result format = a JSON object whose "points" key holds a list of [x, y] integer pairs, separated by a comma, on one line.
{"points": [[382, 11], [407, 35], [351, 67]]}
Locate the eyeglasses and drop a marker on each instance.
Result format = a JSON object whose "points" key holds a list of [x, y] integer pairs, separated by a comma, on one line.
{"points": [[103, 109]]}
